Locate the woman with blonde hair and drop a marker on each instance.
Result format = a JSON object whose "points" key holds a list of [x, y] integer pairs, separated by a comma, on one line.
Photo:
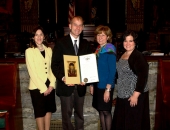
{"points": [[106, 62]]}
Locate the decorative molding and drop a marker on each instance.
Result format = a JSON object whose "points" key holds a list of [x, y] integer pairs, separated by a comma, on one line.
{"points": [[108, 10], [135, 14], [56, 11], [28, 15], [6, 6], [136, 4], [28, 5]]}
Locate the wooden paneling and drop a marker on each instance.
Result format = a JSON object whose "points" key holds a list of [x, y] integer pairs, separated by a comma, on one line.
{"points": [[8, 90], [162, 114], [83, 8], [165, 84], [153, 42], [117, 15], [135, 14], [88, 32], [28, 15]]}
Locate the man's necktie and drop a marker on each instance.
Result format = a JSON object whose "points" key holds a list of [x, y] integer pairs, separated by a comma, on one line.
{"points": [[75, 47]]}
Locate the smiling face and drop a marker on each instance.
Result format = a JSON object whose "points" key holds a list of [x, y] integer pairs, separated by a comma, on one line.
{"points": [[103, 35], [102, 38], [76, 27], [39, 37], [71, 67], [129, 43]]}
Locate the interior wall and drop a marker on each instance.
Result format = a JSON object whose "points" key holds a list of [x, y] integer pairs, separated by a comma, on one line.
{"points": [[47, 16], [117, 15]]}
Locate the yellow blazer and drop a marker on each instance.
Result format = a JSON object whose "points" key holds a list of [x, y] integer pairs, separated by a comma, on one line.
{"points": [[39, 68]]}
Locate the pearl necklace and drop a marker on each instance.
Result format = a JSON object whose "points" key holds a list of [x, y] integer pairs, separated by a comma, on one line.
{"points": [[41, 48]]}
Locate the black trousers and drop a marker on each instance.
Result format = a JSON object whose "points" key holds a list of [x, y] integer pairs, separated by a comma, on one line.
{"points": [[67, 105]]}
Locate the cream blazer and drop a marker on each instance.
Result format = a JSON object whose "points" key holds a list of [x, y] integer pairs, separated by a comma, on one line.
{"points": [[39, 68]]}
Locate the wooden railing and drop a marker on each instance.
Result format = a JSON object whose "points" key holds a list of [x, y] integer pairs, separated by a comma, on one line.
{"points": [[165, 80], [162, 117], [8, 88]]}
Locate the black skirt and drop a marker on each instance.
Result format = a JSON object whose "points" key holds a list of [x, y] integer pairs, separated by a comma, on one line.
{"points": [[132, 118], [98, 100], [43, 104]]}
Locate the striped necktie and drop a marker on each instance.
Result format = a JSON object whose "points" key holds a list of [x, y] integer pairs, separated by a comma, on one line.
{"points": [[75, 47]]}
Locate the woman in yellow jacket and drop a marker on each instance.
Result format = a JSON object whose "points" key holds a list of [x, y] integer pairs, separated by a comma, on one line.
{"points": [[42, 81]]}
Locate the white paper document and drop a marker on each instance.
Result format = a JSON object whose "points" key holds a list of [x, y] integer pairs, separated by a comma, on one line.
{"points": [[88, 67]]}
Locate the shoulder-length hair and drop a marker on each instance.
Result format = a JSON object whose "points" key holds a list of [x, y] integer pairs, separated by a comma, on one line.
{"points": [[32, 41], [106, 30]]}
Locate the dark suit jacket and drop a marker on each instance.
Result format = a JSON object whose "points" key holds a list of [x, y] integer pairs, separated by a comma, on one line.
{"points": [[64, 46]]}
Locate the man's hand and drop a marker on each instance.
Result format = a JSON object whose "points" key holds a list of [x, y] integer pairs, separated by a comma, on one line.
{"points": [[91, 89], [82, 83]]}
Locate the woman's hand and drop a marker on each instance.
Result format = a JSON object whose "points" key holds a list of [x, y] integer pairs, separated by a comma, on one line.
{"points": [[46, 92], [107, 93], [50, 88], [134, 99], [106, 96]]}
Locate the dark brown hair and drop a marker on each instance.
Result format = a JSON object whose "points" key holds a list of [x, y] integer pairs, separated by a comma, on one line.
{"points": [[32, 42], [130, 33]]}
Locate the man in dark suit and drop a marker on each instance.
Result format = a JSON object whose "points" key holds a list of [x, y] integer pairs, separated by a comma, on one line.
{"points": [[71, 95]]}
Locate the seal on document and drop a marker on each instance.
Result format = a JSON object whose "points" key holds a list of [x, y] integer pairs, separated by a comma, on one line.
{"points": [[85, 80]]}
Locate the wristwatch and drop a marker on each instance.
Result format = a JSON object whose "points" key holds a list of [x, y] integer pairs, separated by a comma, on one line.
{"points": [[108, 89]]}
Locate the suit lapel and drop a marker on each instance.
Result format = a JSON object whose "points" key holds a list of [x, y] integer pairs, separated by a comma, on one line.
{"points": [[81, 47], [70, 45]]}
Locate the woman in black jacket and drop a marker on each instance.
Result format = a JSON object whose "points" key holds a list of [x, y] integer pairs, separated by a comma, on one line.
{"points": [[132, 105]]}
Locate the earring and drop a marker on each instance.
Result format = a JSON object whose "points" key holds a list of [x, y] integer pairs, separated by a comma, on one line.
{"points": [[33, 40]]}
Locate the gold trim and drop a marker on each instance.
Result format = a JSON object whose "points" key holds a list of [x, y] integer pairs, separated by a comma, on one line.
{"points": [[28, 5]]}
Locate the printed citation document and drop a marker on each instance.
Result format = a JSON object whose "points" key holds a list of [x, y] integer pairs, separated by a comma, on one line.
{"points": [[80, 69]]}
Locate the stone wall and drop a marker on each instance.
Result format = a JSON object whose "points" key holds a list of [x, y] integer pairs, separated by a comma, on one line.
{"points": [[90, 114]]}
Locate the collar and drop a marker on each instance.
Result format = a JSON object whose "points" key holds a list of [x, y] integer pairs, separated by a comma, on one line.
{"points": [[72, 38]]}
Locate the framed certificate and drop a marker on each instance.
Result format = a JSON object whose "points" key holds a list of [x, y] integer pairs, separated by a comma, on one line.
{"points": [[80, 69], [71, 69]]}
